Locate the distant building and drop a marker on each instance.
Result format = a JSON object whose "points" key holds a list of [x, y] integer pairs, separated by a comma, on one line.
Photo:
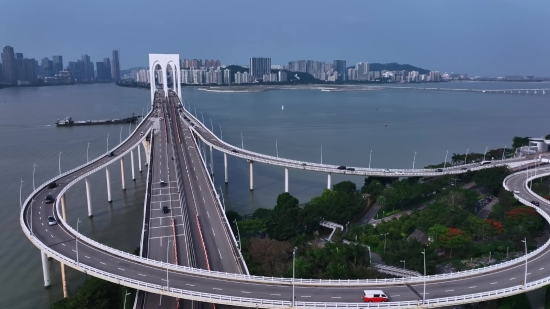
{"points": [[282, 76], [101, 72], [88, 73], [107, 63], [8, 65], [363, 69], [259, 67], [340, 68], [57, 64], [115, 66], [46, 67], [227, 76]]}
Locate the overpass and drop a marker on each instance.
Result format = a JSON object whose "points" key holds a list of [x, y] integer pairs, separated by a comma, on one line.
{"points": [[66, 245]]}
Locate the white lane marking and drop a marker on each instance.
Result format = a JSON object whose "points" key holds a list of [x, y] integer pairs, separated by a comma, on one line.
{"points": [[217, 289], [102, 263], [46, 230], [214, 233], [220, 254], [42, 223], [541, 268], [528, 274], [395, 295], [163, 279], [51, 236], [200, 188], [475, 286], [206, 213], [86, 256], [494, 283], [275, 294], [246, 292], [341, 297], [305, 296], [512, 278], [121, 269], [74, 250], [203, 200], [141, 275], [63, 245], [446, 291], [189, 284]]}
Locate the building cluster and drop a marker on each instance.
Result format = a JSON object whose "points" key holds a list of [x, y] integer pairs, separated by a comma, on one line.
{"points": [[18, 70]]}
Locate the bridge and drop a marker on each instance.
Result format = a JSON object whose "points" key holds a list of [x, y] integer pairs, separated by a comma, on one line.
{"points": [[203, 263], [531, 91]]}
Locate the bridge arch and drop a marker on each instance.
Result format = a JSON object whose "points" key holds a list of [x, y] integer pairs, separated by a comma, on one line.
{"points": [[165, 62]]}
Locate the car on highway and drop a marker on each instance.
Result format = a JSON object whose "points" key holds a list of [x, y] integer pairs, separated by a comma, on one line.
{"points": [[516, 191], [162, 183], [439, 170], [303, 164], [141, 133], [387, 171], [350, 169], [374, 296], [165, 209], [51, 220], [111, 154], [463, 168], [535, 203], [234, 150], [52, 185], [49, 199], [341, 167]]}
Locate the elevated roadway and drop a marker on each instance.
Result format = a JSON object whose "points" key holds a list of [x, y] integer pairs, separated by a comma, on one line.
{"points": [[62, 243]]}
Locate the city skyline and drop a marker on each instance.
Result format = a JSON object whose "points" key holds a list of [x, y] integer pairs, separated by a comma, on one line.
{"points": [[480, 38]]}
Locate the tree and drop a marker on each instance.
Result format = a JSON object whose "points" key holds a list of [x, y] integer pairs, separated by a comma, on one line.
{"points": [[346, 187], [93, 294], [284, 218], [491, 178], [271, 256], [454, 239]]}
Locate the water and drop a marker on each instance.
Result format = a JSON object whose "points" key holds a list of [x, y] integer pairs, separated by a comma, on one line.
{"points": [[346, 125]]}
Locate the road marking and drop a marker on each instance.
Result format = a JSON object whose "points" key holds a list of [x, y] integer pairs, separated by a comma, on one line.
{"points": [[341, 297], [395, 295], [275, 294], [200, 188], [163, 279], [63, 245], [43, 222], [46, 230], [51, 235], [541, 268], [141, 275], [305, 296], [86, 256], [121, 269], [246, 292], [528, 274], [74, 250], [446, 291], [203, 200], [214, 233], [220, 254], [512, 278], [216, 289], [494, 283], [189, 284], [206, 213]]}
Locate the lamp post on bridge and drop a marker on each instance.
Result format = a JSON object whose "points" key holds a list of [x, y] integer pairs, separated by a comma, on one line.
{"points": [[525, 276], [503, 152], [445, 163], [167, 247], [277, 149], [60, 163], [424, 294], [20, 197], [221, 132], [33, 170], [107, 142], [223, 200], [403, 261], [242, 141], [485, 152], [120, 134], [414, 159], [370, 157], [466, 157], [238, 233], [195, 111], [211, 126], [293, 273], [76, 240], [385, 238], [126, 294], [321, 154], [202, 118]]}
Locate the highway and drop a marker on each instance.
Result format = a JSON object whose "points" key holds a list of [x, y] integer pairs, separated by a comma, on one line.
{"points": [[219, 254]]}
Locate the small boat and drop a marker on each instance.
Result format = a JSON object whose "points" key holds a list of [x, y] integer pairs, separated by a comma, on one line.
{"points": [[385, 124], [282, 107]]}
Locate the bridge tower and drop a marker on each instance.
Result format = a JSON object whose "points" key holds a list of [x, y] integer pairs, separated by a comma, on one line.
{"points": [[162, 62]]}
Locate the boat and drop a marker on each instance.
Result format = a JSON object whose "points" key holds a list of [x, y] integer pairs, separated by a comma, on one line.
{"points": [[69, 122], [282, 107]]}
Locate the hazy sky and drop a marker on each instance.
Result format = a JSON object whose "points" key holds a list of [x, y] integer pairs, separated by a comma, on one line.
{"points": [[478, 37]]}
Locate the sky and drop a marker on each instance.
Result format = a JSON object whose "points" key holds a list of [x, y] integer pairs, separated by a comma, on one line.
{"points": [[487, 38]]}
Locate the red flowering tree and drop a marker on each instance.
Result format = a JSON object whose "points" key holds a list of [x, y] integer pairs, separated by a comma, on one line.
{"points": [[498, 226], [522, 221], [454, 239]]}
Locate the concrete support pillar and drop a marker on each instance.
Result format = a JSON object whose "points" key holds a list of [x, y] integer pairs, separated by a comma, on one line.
{"points": [[63, 207], [286, 179], [132, 164], [45, 269], [109, 199], [329, 182], [225, 166], [122, 173], [211, 161], [251, 175], [139, 157], [147, 148], [88, 198]]}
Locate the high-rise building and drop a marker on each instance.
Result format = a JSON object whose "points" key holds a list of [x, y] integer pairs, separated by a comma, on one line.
{"points": [[108, 72], [340, 68], [8, 65], [87, 69], [18, 55], [57, 64], [115, 68], [1, 73], [227, 76], [259, 67], [363, 69], [102, 74], [46, 67]]}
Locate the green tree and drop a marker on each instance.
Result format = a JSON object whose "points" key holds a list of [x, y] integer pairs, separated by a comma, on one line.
{"points": [[491, 178], [346, 187], [283, 221], [520, 141], [94, 293]]}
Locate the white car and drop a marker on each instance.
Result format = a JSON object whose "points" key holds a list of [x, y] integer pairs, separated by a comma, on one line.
{"points": [[516, 191], [51, 220]]}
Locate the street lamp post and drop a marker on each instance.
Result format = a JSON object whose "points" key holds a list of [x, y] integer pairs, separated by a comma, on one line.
{"points": [[277, 149], [20, 190], [424, 294], [242, 141], [525, 276], [76, 239], [445, 164], [503, 152], [167, 247], [126, 294], [221, 132], [60, 163], [223, 200], [195, 111], [120, 134], [403, 261], [485, 152], [33, 170], [238, 233], [414, 159], [466, 157], [385, 237], [211, 125], [87, 151], [370, 157], [202, 115], [321, 154], [107, 142], [293, 272]]}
